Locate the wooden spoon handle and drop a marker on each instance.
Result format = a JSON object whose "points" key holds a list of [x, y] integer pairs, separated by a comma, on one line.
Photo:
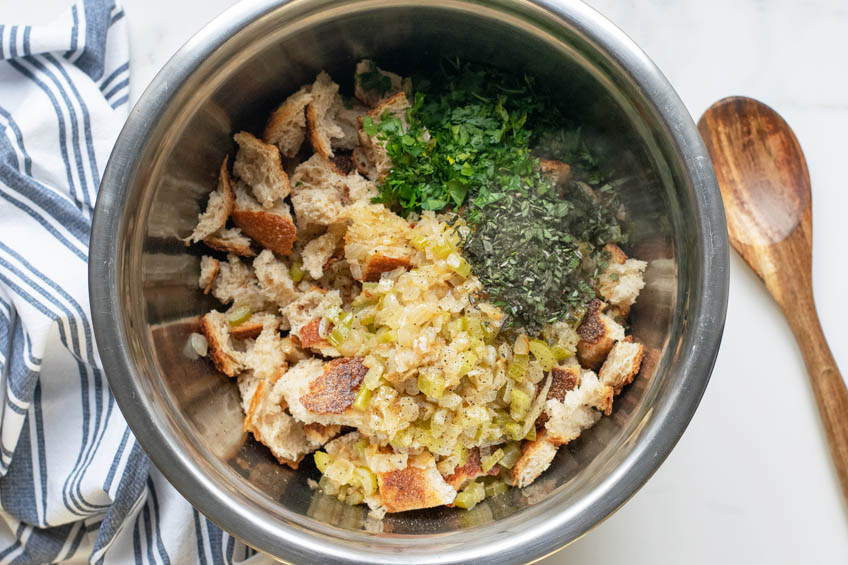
{"points": [[828, 386]]}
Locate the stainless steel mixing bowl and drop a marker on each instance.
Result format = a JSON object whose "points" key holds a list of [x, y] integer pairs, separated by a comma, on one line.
{"points": [[145, 299]]}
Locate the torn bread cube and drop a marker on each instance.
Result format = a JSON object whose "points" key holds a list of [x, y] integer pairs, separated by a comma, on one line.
{"points": [[272, 228], [237, 285], [536, 457], [321, 113], [598, 333], [247, 384], [222, 352], [320, 192], [622, 281], [622, 364], [370, 157], [347, 118], [310, 335], [323, 393], [371, 84], [265, 357], [258, 164], [580, 409], [231, 240], [273, 427], [317, 252], [218, 208], [286, 128], [414, 487], [274, 279], [319, 434], [209, 267], [251, 328], [311, 304], [564, 378], [377, 241]]}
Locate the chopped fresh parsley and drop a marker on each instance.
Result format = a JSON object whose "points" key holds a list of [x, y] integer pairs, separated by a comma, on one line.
{"points": [[472, 142]]}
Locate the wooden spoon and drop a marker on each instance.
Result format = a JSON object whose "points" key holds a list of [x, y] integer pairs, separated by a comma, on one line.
{"points": [[765, 185]]}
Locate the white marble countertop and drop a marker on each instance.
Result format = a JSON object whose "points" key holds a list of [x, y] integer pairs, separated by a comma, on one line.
{"points": [[751, 480]]}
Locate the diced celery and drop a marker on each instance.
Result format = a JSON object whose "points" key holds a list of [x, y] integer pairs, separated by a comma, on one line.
{"points": [[402, 440], [442, 249], [561, 353], [518, 366], [339, 335], [495, 488], [519, 403], [469, 360], [370, 287], [474, 327], [386, 335], [464, 500], [296, 272], [366, 316], [373, 377], [531, 434], [543, 354], [512, 451], [513, 430], [419, 242], [431, 384], [334, 314], [367, 480], [321, 460], [463, 455], [458, 264], [354, 497], [470, 496], [488, 462], [363, 398], [239, 316]]}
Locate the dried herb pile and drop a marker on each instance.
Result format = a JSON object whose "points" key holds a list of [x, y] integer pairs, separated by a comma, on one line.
{"points": [[472, 144]]}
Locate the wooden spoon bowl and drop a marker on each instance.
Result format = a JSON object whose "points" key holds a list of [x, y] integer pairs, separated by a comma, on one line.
{"points": [[765, 185]]}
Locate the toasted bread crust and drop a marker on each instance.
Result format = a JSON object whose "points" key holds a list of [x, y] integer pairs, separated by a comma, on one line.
{"points": [[536, 457], [291, 113], [310, 336], [595, 342], [271, 231], [335, 390], [563, 379], [246, 330], [629, 373], [320, 146], [410, 488], [222, 361], [216, 267], [617, 256], [379, 264], [219, 244]]}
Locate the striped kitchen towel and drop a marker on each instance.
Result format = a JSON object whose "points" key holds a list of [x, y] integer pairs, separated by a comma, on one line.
{"points": [[74, 483]]}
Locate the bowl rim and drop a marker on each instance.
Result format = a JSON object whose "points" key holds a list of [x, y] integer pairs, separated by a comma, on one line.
{"points": [[707, 311]]}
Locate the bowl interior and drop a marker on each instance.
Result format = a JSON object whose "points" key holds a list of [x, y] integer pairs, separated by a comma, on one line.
{"points": [[232, 84]]}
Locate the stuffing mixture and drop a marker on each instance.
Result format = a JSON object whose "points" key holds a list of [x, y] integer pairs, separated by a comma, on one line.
{"points": [[421, 286]]}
